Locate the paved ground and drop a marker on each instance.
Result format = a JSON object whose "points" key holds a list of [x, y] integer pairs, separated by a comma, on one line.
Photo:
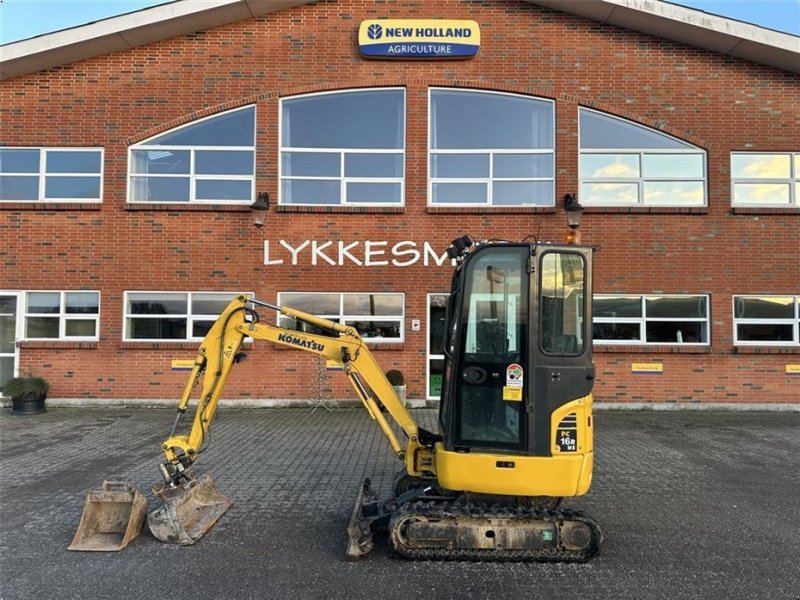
{"points": [[693, 505]]}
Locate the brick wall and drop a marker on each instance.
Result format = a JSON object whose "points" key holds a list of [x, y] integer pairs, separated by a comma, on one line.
{"points": [[716, 102]]}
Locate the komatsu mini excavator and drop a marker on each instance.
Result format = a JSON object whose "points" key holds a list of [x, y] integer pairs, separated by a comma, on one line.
{"points": [[515, 417]]}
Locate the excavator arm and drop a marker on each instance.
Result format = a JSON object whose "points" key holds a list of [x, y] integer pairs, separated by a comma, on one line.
{"points": [[221, 349]]}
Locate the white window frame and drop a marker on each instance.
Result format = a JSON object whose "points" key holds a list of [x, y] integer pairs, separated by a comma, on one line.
{"points": [[793, 321], [491, 153], [43, 174], [345, 318], [432, 353], [188, 315], [191, 175], [644, 319], [63, 317], [641, 180], [343, 152], [793, 181]]}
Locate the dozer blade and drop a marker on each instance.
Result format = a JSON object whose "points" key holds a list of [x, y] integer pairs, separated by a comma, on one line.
{"points": [[359, 529], [190, 509], [112, 516]]}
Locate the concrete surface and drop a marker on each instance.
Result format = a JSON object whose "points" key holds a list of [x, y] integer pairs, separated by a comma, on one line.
{"points": [[692, 504]]}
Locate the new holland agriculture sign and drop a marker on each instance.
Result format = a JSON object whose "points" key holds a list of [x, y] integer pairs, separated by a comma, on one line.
{"points": [[414, 38]]}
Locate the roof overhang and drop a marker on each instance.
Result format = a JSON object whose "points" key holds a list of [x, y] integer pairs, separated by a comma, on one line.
{"points": [[654, 17]]}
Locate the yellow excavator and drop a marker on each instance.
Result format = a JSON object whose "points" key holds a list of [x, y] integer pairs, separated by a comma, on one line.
{"points": [[515, 419]]}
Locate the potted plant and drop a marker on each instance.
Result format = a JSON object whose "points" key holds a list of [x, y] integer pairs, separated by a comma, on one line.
{"points": [[398, 382], [28, 394]]}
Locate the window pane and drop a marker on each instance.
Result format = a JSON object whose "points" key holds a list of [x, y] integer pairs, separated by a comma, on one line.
{"points": [[519, 193], [683, 166], [157, 304], [82, 303], [209, 304], [41, 327], [761, 193], [766, 332], [373, 165], [459, 193], [683, 193], [613, 166], [617, 331], [19, 160], [767, 307], [435, 370], [316, 304], [300, 191], [312, 164], [227, 189], [436, 325], [373, 304], [561, 289], [221, 162], [235, 128], [360, 119], [603, 131], [624, 307], [157, 329], [480, 120], [160, 162], [762, 166], [83, 161], [72, 187], [523, 165], [160, 189], [377, 329], [8, 331], [676, 332], [363, 192], [672, 307], [44, 302], [460, 166], [610, 193], [19, 188], [80, 328]]}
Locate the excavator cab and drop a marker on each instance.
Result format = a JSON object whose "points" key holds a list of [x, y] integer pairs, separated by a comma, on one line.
{"points": [[515, 411]]}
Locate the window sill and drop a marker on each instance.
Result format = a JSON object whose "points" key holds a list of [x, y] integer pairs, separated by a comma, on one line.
{"points": [[648, 210], [187, 206], [339, 208], [757, 210], [71, 206], [650, 349], [766, 349], [90, 345], [165, 345], [482, 210]]}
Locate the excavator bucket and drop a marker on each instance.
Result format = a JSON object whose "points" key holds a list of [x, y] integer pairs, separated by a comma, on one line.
{"points": [[112, 516], [190, 509]]}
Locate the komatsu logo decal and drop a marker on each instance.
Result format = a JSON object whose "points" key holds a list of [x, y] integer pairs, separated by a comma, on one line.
{"points": [[300, 342], [414, 38]]}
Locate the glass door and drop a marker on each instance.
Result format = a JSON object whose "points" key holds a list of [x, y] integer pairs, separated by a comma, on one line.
{"points": [[9, 356]]}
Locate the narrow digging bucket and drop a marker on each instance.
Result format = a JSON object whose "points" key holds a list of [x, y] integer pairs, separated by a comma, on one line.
{"points": [[112, 516], [190, 509]]}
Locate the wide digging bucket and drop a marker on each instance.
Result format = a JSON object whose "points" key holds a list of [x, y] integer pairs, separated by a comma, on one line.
{"points": [[190, 509], [112, 516]]}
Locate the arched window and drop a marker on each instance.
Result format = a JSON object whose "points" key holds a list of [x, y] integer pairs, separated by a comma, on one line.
{"points": [[343, 148], [490, 149], [210, 160], [626, 164]]}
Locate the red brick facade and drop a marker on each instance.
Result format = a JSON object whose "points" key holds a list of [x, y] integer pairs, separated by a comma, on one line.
{"points": [[719, 103]]}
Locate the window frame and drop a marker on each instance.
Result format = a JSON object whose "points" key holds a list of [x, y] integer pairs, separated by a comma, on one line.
{"points": [[190, 317], [644, 319], [346, 319], [793, 321], [793, 181], [342, 178], [62, 315], [641, 180], [42, 174], [194, 177], [491, 153]]}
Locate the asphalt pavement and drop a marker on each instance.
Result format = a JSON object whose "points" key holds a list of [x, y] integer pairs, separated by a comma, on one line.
{"points": [[693, 504]]}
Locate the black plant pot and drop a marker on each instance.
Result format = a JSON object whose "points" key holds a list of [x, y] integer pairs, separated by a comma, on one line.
{"points": [[28, 404]]}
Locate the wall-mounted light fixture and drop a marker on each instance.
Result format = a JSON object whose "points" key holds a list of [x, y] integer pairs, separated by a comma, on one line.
{"points": [[574, 212], [259, 208]]}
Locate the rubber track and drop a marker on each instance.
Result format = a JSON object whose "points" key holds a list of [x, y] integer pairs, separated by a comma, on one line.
{"points": [[441, 511]]}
